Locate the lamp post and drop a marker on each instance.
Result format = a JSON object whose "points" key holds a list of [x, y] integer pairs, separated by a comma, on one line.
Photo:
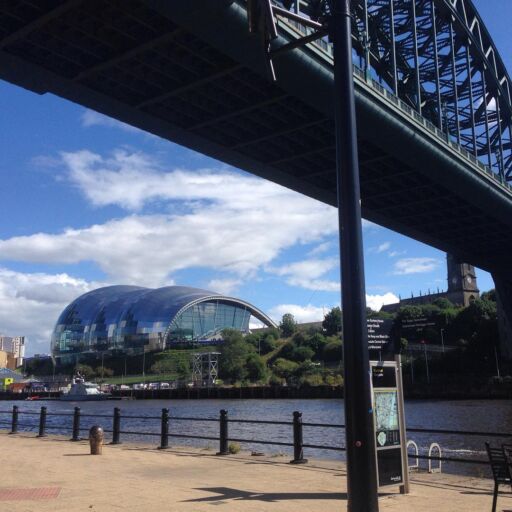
{"points": [[442, 339], [426, 360], [359, 430]]}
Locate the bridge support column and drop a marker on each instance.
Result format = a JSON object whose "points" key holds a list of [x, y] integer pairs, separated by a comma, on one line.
{"points": [[359, 431], [503, 286]]}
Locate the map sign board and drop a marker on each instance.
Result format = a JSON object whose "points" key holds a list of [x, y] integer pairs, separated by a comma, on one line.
{"points": [[389, 423]]}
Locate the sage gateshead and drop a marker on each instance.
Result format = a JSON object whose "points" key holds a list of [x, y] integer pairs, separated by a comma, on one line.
{"points": [[131, 319]]}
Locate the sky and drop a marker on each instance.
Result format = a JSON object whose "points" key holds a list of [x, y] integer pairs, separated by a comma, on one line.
{"points": [[86, 201]]}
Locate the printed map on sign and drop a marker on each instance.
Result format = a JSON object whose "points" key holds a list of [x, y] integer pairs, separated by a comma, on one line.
{"points": [[386, 410]]}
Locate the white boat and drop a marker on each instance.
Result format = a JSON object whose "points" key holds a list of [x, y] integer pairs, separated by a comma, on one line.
{"points": [[82, 391]]}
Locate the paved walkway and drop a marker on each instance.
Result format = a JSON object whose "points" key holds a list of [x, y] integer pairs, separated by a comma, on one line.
{"points": [[53, 474]]}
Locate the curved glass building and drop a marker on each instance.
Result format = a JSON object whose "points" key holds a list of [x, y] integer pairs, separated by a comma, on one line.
{"points": [[131, 319]]}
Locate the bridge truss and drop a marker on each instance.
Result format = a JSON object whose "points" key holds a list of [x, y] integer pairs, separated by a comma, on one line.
{"points": [[437, 57]]}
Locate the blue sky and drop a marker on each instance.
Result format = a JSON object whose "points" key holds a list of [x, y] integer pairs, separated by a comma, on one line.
{"points": [[86, 201]]}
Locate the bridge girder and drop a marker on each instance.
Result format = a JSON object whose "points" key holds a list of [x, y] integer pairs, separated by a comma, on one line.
{"points": [[189, 72]]}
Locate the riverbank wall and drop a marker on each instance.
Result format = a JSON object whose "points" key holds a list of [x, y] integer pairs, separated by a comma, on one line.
{"points": [[436, 391]]}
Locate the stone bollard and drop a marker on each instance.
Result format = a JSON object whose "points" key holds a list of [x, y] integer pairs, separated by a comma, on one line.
{"points": [[96, 440]]}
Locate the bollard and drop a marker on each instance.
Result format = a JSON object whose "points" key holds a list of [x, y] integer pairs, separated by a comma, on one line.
{"points": [[298, 455], [96, 437], [223, 438], [14, 422], [42, 422], [116, 426], [76, 425], [164, 430]]}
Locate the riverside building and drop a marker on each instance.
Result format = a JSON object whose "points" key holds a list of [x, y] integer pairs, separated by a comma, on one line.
{"points": [[131, 320]]}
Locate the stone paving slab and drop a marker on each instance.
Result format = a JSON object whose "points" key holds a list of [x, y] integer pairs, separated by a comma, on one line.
{"points": [[138, 478]]}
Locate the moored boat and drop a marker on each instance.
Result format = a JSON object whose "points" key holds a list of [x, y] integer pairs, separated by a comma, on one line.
{"points": [[81, 390]]}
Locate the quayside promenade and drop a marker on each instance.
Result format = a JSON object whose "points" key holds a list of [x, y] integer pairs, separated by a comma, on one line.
{"points": [[53, 474]]}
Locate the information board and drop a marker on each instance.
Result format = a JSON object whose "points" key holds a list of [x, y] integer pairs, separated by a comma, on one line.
{"points": [[379, 332], [389, 423]]}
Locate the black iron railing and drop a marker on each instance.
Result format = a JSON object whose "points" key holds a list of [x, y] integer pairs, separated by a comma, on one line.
{"points": [[11, 418]]}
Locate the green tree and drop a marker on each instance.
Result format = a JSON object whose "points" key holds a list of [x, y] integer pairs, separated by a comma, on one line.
{"points": [[332, 322], [288, 325], [489, 295], [333, 351], [233, 356], [301, 354], [256, 369], [85, 371], [183, 369], [268, 344], [284, 368]]}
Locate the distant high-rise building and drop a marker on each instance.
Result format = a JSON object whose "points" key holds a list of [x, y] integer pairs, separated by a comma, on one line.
{"points": [[14, 346]]}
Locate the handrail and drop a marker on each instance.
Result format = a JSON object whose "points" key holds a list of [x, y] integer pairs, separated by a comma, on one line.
{"points": [[117, 430]]}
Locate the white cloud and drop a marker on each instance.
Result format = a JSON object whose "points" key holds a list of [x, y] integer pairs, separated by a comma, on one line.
{"points": [[306, 274], [31, 303], [302, 314], [226, 221], [406, 266], [224, 286], [91, 118], [377, 301], [320, 249], [383, 247]]}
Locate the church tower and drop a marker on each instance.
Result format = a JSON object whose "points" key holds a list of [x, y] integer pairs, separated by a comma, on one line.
{"points": [[462, 286]]}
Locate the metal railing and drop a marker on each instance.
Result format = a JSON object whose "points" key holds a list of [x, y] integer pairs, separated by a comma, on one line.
{"points": [[223, 437]]}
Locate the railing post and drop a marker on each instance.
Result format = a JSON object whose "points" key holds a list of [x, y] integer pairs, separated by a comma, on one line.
{"points": [[223, 431], [116, 426], [298, 455], [76, 425], [42, 422], [14, 422], [164, 431]]}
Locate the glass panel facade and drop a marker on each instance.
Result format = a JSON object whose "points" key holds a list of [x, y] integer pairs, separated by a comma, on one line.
{"points": [[203, 322], [132, 319]]}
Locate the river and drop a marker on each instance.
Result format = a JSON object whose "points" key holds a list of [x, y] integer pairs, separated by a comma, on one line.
{"points": [[468, 415]]}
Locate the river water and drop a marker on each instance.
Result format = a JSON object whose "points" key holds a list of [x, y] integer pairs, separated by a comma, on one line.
{"points": [[463, 415]]}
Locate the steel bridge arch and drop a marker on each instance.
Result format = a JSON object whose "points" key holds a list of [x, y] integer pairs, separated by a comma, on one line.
{"points": [[438, 57]]}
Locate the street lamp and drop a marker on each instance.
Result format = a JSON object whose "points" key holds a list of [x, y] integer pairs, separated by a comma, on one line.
{"points": [[442, 339], [424, 343]]}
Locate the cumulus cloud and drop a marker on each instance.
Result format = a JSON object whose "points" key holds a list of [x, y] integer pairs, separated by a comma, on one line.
{"points": [[307, 273], [302, 314], [407, 266], [383, 247], [30, 304], [224, 286], [227, 221], [377, 301]]}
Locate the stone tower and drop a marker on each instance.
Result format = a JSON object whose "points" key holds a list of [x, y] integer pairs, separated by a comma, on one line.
{"points": [[462, 285]]}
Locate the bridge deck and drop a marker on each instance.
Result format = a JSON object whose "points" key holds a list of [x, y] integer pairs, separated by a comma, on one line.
{"points": [[191, 73]]}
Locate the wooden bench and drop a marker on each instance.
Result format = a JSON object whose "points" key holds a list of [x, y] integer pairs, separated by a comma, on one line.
{"points": [[500, 466]]}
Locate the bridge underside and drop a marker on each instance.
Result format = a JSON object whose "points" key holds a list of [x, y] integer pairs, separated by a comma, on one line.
{"points": [[190, 72]]}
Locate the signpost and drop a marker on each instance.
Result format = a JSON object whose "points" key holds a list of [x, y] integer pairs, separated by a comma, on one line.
{"points": [[389, 418]]}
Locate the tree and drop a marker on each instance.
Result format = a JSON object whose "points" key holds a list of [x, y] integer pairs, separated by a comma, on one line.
{"points": [[301, 354], [268, 344], [85, 371], [283, 368], [333, 351], [288, 325], [489, 295], [332, 322], [256, 369], [183, 369], [233, 356]]}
